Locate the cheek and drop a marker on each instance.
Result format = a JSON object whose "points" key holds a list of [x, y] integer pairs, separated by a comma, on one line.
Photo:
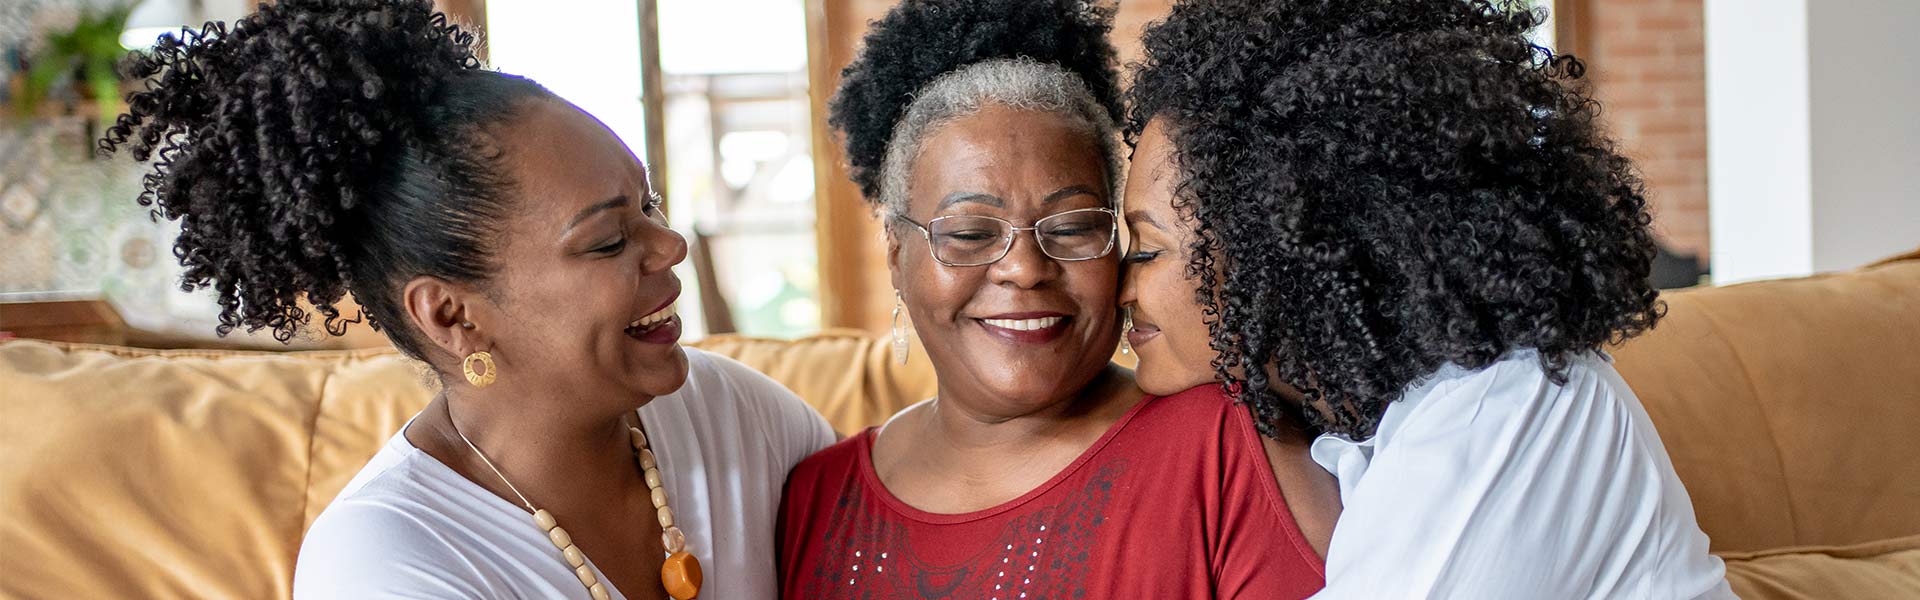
{"points": [[935, 294], [1194, 341], [1096, 287], [1178, 315], [573, 309]]}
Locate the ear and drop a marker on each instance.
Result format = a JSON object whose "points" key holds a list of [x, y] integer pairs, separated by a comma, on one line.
{"points": [[441, 311], [893, 254]]}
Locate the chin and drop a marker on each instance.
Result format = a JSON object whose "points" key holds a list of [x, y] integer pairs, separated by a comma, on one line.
{"points": [[1156, 378], [1034, 388], [1154, 384], [660, 379]]}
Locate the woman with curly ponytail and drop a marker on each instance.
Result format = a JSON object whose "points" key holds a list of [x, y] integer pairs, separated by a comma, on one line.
{"points": [[1397, 231], [511, 243], [983, 134]]}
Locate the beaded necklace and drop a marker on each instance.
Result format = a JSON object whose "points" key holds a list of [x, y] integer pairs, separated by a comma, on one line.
{"points": [[680, 574]]}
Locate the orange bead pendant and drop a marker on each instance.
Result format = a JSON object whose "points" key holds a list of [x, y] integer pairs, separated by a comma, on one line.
{"points": [[681, 575]]}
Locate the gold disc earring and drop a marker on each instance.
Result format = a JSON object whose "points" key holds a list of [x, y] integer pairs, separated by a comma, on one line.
{"points": [[480, 380]]}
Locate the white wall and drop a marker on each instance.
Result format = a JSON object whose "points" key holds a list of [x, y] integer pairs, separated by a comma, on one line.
{"points": [[587, 51], [1758, 181], [1813, 138], [1865, 86]]}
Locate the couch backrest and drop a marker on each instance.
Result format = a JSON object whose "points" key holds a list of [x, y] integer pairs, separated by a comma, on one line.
{"points": [[1789, 407], [178, 474]]}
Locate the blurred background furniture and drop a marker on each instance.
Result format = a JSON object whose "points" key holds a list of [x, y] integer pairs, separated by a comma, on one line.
{"points": [[1789, 408]]}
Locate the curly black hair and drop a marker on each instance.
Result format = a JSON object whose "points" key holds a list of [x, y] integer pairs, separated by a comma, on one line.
{"points": [[920, 40], [1382, 187], [317, 148]]}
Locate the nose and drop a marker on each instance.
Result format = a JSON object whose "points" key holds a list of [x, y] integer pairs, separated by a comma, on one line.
{"points": [[1025, 266], [664, 248], [1128, 294]]}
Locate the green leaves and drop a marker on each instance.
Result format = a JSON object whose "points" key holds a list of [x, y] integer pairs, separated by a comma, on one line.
{"points": [[85, 55]]}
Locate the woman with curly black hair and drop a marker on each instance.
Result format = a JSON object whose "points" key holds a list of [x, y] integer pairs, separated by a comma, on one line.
{"points": [[1396, 223], [511, 243], [983, 132]]}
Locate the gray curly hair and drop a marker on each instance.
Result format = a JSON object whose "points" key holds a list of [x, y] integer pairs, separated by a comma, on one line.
{"points": [[1019, 83]]}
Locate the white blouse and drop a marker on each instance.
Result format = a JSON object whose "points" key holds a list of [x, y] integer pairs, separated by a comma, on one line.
{"points": [[1499, 483], [410, 527]]}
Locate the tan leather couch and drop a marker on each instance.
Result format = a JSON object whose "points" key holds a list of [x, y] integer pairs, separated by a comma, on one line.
{"points": [[1791, 409]]}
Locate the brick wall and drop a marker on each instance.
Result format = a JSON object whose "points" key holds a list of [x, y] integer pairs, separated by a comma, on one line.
{"points": [[1647, 59]]}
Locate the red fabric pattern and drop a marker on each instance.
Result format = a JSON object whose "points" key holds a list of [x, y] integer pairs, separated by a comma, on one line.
{"points": [[1176, 500]]}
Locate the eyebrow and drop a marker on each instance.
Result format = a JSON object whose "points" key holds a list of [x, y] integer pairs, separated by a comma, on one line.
{"points": [[1142, 217], [1067, 192], [960, 197], [598, 207], [995, 201]]}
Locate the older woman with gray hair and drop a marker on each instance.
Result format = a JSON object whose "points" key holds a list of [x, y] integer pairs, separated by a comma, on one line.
{"points": [[983, 133]]}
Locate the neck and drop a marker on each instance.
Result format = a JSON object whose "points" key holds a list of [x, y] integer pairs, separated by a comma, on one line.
{"points": [[549, 454], [953, 421]]}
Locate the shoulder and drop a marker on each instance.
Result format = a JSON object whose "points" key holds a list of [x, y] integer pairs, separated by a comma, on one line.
{"points": [[367, 523], [839, 461], [1502, 462], [393, 503], [822, 481], [1204, 412], [1512, 424], [1513, 396], [376, 545], [1204, 436]]}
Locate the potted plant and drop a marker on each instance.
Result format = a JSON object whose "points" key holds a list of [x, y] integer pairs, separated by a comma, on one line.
{"points": [[85, 57]]}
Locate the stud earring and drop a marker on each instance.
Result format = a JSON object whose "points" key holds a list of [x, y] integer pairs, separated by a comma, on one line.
{"points": [[480, 380], [901, 347]]}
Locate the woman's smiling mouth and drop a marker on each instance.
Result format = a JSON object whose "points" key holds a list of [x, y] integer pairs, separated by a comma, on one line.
{"points": [[1027, 327], [662, 326], [1141, 333]]}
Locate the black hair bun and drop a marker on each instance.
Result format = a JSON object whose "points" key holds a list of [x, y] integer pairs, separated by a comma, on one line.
{"points": [[269, 134], [920, 40]]}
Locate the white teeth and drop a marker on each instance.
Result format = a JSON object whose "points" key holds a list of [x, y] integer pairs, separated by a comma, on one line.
{"points": [[657, 317], [1024, 324]]}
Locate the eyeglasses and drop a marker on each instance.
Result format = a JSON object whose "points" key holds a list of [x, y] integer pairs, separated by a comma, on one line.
{"points": [[972, 241]]}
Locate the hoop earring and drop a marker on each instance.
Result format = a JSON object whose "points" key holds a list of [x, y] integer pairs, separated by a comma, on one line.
{"points": [[901, 348], [480, 380]]}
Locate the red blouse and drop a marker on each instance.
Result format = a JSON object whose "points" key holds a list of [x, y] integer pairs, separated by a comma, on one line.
{"points": [[1176, 500]]}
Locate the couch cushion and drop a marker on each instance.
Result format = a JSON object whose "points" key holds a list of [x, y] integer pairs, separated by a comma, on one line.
{"points": [[156, 474], [1790, 407], [1886, 570], [194, 474]]}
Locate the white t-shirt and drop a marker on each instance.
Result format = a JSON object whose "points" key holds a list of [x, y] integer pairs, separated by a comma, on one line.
{"points": [[408, 526], [1499, 483]]}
